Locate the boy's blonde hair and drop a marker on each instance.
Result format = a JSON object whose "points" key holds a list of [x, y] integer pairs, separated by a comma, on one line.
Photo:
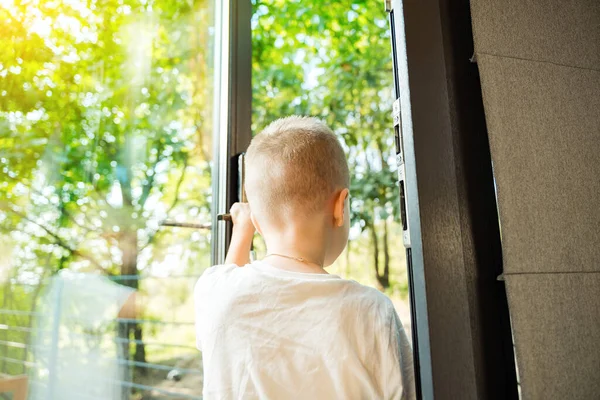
{"points": [[292, 167]]}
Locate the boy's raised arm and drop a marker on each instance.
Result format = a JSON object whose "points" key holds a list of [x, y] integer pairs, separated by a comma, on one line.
{"points": [[241, 238]]}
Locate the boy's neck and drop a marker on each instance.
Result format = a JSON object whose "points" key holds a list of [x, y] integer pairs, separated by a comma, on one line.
{"points": [[306, 239]]}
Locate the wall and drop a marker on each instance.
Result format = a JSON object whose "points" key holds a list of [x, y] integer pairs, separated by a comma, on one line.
{"points": [[461, 314], [540, 75]]}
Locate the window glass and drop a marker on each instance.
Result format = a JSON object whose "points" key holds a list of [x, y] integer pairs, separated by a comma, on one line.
{"points": [[105, 134], [333, 60]]}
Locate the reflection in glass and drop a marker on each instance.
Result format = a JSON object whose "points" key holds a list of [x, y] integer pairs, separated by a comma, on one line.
{"points": [[71, 344], [105, 126]]}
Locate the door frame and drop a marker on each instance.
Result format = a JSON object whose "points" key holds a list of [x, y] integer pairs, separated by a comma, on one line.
{"points": [[462, 336], [232, 116]]}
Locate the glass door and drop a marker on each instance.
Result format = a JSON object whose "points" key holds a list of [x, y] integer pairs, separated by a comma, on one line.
{"points": [[113, 115]]}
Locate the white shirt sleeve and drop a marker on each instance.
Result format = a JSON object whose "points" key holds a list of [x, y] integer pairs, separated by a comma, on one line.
{"points": [[206, 294], [397, 360], [199, 308]]}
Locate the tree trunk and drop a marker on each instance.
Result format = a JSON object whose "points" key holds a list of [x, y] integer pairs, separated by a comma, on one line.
{"points": [[128, 267], [385, 279], [128, 244], [375, 242], [129, 247], [124, 370], [140, 349]]}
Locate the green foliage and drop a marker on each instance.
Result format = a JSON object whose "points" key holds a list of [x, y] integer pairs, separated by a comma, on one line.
{"points": [[332, 60], [105, 127], [103, 109], [105, 114], [105, 131]]}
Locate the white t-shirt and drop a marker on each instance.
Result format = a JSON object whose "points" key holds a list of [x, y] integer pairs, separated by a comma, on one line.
{"points": [[267, 333]]}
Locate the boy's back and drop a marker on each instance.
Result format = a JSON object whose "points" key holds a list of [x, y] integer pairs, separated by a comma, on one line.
{"points": [[284, 328], [268, 333]]}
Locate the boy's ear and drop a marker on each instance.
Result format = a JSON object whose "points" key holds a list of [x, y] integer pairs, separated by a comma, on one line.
{"points": [[339, 207]]}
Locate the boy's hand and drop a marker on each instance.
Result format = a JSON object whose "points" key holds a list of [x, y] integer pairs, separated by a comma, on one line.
{"points": [[240, 216], [243, 232]]}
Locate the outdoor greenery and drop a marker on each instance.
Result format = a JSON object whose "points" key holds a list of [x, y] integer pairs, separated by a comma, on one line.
{"points": [[106, 131], [333, 60]]}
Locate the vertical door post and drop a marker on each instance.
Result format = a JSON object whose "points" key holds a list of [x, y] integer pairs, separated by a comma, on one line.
{"points": [[461, 329], [232, 111]]}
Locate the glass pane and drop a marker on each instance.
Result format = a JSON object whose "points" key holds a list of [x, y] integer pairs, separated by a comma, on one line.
{"points": [[105, 134], [333, 60]]}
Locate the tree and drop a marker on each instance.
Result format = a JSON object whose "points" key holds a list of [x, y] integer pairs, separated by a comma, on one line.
{"points": [[104, 111], [105, 127], [333, 61]]}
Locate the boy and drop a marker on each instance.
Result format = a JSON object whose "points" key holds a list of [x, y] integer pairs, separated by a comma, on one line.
{"points": [[283, 328]]}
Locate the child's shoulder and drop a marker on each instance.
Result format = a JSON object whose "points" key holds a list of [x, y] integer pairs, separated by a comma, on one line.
{"points": [[369, 296], [214, 274], [218, 270]]}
